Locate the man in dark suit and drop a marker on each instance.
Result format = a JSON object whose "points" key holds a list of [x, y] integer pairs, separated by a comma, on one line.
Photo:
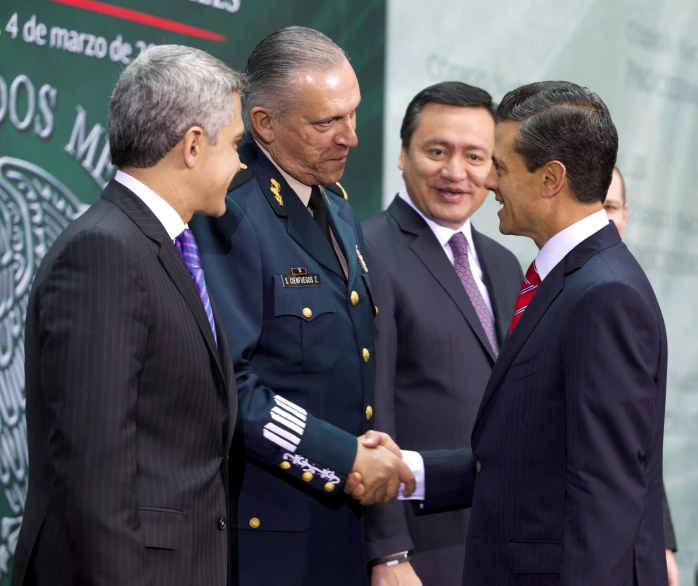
{"points": [[286, 265], [565, 471], [131, 398], [446, 294]]}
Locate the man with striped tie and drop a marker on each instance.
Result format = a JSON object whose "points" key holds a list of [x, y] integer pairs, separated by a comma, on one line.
{"points": [[131, 399], [565, 472]]}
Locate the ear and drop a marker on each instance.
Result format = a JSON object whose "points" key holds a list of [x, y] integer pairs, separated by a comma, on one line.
{"points": [[554, 178], [192, 145], [401, 159], [262, 123]]}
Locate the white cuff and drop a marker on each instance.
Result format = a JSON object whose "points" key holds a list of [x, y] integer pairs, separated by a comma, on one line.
{"points": [[414, 462]]}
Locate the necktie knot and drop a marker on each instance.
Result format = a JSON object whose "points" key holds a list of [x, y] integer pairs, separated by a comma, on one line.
{"points": [[316, 201], [186, 244]]}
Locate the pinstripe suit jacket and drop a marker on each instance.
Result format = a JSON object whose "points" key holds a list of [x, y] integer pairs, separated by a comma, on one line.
{"points": [[130, 409], [567, 446]]}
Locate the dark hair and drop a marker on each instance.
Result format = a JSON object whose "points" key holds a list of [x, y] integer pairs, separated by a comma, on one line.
{"points": [[622, 183], [449, 93], [561, 121]]}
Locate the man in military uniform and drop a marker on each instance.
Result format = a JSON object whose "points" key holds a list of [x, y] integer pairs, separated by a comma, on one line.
{"points": [[285, 267]]}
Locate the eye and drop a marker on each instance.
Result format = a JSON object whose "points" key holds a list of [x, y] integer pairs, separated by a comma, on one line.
{"points": [[476, 158], [436, 152]]}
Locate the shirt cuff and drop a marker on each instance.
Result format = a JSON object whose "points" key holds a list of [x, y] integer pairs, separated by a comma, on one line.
{"points": [[414, 462]]}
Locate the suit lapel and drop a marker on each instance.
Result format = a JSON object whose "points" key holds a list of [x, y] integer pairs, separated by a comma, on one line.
{"points": [[170, 258], [546, 293], [495, 284], [344, 233], [431, 253], [285, 202]]}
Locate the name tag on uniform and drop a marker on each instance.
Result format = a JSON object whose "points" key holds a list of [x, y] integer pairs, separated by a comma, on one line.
{"points": [[302, 280]]}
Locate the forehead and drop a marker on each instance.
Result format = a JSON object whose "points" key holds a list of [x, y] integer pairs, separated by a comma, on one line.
{"points": [[327, 91], [455, 124], [504, 135]]}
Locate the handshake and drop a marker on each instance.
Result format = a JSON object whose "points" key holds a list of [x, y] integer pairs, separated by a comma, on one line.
{"points": [[378, 471]]}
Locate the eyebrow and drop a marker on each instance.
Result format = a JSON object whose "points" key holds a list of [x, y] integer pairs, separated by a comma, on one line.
{"points": [[497, 163], [445, 143]]}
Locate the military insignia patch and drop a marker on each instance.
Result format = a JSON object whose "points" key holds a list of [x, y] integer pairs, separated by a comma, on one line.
{"points": [[362, 263], [276, 190]]}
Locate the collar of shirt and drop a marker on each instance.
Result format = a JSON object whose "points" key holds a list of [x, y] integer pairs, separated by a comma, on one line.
{"points": [[302, 190], [443, 234], [163, 211], [557, 248]]}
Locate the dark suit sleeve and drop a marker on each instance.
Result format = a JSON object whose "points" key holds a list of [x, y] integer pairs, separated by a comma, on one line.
{"points": [[669, 535], [387, 532], [92, 330], [449, 480], [610, 361], [275, 429]]}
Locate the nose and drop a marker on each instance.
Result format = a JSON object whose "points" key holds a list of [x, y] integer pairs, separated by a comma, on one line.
{"points": [[346, 136], [454, 169], [491, 182]]}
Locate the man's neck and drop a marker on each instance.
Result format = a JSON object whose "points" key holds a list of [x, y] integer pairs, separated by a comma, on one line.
{"points": [[563, 220]]}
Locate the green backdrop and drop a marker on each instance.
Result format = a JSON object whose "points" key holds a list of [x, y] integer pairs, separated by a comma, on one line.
{"points": [[59, 60]]}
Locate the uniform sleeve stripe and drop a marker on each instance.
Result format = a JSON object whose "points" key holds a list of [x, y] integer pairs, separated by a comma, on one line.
{"points": [[283, 433], [278, 441], [290, 417], [292, 426], [280, 417], [295, 409]]}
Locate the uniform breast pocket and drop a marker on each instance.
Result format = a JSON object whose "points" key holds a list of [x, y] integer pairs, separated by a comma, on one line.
{"points": [[304, 322]]}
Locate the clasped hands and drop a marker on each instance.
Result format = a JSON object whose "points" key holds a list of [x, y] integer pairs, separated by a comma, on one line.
{"points": [[378, 470]]}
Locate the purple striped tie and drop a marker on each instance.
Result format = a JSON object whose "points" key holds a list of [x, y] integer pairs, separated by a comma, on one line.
{"points": [[186, 244]]}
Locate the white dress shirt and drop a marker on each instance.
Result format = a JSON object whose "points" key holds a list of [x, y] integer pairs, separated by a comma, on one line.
{"points": [[443, 235], [553, 251], [163, 211]]}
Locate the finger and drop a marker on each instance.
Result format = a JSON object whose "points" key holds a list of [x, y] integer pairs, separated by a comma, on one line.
{"points": [[371, 439], [407, 478], [353, 481]]}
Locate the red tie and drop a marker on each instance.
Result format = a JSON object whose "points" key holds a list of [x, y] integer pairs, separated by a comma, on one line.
{"points": [[528, 288]]}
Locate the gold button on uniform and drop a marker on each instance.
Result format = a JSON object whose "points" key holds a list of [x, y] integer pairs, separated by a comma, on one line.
{"points": [[255, 523], [307, 476], [307, 312], [366, 354], [354, 297], [369, 413], [329, 487], [285, 465], [376, 308]]}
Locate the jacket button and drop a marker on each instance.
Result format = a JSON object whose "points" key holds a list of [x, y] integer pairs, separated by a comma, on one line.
{"points": [[369, 413], [307, 476], [365, 354], [255, 523], [478, 467], [222, 523], [307, 312], [354, 297]]}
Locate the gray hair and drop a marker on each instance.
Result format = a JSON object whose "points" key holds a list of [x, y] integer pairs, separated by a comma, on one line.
{"points": [[275, 61], [162, 93]]}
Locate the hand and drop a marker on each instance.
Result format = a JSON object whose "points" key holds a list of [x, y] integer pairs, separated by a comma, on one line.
{"points": [[672, 568], [378, 472], [398, 575]]}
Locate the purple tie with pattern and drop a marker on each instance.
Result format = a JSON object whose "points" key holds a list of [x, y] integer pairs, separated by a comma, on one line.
{"points": [[459, 246], [187, 247]]}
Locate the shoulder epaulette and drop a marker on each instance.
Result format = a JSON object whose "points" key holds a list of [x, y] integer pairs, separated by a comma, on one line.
{"points": [[242, 176], [337, 189]]}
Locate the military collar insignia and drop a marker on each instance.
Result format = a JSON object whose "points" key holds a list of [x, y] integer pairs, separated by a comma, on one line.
{"points": [[275, 188]]}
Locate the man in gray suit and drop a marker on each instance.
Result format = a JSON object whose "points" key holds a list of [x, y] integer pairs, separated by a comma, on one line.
{"points": [[445, 295]]}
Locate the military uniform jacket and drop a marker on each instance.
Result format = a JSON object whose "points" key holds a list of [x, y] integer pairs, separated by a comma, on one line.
{"points": [[302, 339]]}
